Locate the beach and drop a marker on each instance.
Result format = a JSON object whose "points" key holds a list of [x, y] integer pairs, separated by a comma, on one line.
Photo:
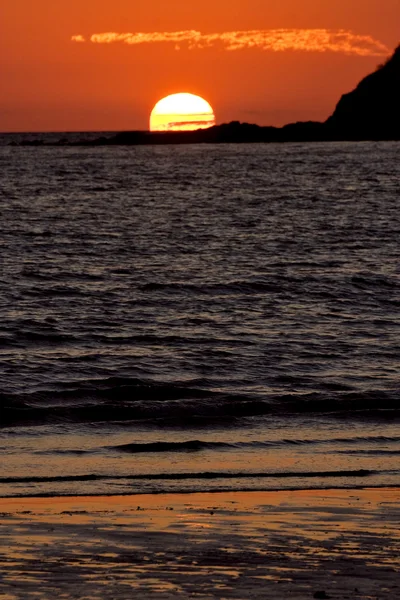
{"points": [[287, 544]]}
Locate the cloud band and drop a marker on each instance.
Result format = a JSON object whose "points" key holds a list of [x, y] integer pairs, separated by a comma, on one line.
{"points": [[275, 40]]}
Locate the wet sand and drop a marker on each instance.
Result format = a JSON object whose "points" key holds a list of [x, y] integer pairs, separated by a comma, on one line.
{"points": [[277, 545]]}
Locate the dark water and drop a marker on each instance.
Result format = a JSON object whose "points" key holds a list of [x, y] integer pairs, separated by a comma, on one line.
{"points": [[199, 317]]}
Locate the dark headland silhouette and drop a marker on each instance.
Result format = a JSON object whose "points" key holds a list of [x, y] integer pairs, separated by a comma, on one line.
{"points": [[370, 112], [373, 109]]}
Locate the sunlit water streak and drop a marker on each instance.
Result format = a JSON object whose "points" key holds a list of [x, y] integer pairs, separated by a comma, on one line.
{"points": [[174, 315]]}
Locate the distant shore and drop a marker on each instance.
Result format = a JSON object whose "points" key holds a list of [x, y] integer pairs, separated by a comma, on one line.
{"points": [[299, 544], [228, 133]]}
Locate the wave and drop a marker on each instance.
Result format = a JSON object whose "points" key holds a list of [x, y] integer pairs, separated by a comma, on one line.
{"points": [[186, 476], [199, 445], [34, 332], [46, 337], [371, 452], [54, 276], [203, 445], [166, 339], [234, 287], [189, 446], [322, 284], [114, 400], [375, 280]]}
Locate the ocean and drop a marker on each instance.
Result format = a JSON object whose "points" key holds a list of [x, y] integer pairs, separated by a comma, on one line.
{"points": [[199, 318]]}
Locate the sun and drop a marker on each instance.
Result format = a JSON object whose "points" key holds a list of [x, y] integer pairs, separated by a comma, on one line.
{"points": [[181, 112]]}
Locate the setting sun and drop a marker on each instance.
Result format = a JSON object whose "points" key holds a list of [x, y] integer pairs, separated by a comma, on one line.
{"points": [[181, 112]]}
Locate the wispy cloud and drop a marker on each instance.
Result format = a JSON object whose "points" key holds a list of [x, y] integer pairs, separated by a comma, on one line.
{"points": [[275, 40]]}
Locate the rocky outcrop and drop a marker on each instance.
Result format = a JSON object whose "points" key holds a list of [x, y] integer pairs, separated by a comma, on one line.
{"points": [[372, 110]]}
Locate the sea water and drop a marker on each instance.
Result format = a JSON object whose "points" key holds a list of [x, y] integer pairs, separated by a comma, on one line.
{"points": [[206, 317]]}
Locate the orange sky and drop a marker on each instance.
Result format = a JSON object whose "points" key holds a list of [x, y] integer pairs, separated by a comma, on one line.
{"points": [[50, 83]]}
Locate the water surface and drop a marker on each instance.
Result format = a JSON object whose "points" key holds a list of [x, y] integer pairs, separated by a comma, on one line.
{"points": [[199, 317]]}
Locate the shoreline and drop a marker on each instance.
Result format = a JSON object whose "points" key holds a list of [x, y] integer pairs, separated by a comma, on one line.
{"points": [[50, 495], [341, 543]]}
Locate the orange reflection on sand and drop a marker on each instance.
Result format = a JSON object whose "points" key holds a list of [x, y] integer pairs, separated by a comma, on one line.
{"points": [[333, 540]]}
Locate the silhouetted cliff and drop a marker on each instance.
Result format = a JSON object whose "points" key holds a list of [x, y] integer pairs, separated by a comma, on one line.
{"points": [[372, 110]]}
